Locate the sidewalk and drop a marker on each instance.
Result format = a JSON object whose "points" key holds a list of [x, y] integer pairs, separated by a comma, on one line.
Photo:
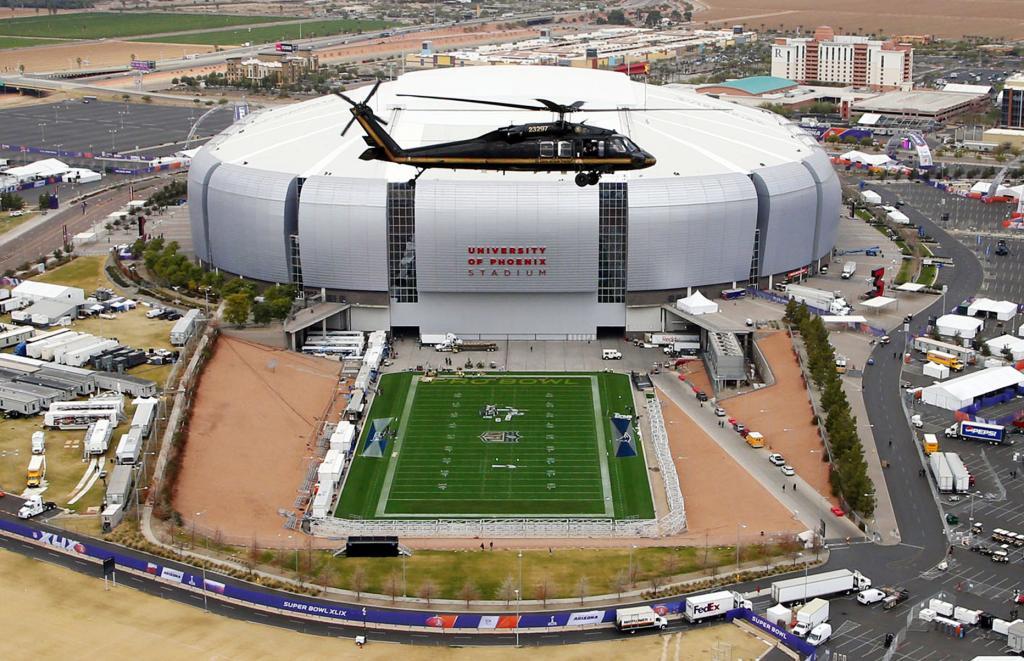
{"points": [[806, 504], [856, 348]]}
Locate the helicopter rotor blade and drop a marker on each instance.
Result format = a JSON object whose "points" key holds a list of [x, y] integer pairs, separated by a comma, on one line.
{"points": [[586, 110], [348, 126], [502, 104], [372, 91], [346, 98]]}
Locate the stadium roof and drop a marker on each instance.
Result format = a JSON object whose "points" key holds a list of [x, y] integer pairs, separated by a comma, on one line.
{"points": [[757, 85], [704, 137]]}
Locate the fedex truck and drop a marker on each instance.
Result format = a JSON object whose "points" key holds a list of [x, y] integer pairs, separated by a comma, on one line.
{"points": [[977, 431], [805, 588], [714, 604], [641, 617]]}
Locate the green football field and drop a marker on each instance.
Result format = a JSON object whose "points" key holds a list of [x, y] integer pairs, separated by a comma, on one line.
{"points": [[537, 445]]}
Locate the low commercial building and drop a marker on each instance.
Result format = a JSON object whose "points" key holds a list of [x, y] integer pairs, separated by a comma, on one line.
{"points": [[939, 107]]}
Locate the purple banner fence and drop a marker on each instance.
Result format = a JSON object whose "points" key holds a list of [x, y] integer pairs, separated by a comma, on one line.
{"points": [[349, 613], [794, 643]]}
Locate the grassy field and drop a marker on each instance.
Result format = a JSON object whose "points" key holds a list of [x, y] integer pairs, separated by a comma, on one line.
{"points": [[110, 621], [131, 328], [84, 272], [64, 464], [266, 34], [23, 42], [547, 450], [97, 25]]}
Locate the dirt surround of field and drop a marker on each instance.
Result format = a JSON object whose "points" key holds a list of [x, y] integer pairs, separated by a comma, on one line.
{"points": [[951, 19], [782, 412], [63, 57], [249, 436], [82, 615]]}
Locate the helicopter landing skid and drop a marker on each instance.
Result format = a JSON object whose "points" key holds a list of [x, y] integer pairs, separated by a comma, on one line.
{"points": [[587, 178]]}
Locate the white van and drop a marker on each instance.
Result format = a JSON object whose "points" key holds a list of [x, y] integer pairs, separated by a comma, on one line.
{"points": [[611, 354], [819, 634]]}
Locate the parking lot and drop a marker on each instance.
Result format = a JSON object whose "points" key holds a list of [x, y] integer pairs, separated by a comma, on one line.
{"points": [[104, 126]]}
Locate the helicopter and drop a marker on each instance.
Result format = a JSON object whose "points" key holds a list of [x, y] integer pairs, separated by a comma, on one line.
{"points": [[554, 146]]}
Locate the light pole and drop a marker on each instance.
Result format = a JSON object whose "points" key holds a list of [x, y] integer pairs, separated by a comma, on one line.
{"points": [[520, 571], [206, 608], [630, 574], [517, 612], [738, 526], [800, 555], [404, 590], [113, 133], [42, 133]]}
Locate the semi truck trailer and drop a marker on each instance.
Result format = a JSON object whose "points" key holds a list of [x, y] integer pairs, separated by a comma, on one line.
{"points": [[831, 302], [977, 431], [714, 604], [840, 581]]}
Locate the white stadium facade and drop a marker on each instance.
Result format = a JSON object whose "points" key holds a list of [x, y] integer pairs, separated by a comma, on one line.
{"points": [[737, 195]]}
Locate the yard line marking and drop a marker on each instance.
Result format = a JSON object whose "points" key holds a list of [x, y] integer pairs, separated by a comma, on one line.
{"points": [[602, 448], [389, 477]]}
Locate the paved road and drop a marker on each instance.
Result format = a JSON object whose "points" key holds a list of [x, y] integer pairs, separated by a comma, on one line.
{"points": [[915, 508], [48, 235]]}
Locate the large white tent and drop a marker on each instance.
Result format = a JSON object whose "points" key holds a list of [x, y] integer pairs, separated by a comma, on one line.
{"points": [[1001, 310], [871, 197], [950, 325], [962, 391], [998, 344], [697, 303], [875, 160]]}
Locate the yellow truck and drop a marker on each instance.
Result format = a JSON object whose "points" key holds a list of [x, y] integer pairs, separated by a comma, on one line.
{"points": [[755, 439], [36, 470], [930, 443], [947, 359]]}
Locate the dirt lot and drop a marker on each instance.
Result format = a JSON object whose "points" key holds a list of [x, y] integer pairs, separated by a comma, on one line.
{"points": [[93, 54], [791, 434], [108, 623], [943, 18], [249, 437], [443, 40], [703, 468]]}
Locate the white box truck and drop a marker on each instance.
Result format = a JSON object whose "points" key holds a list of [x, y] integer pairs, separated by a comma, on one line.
{"points": [[812, 614], [840, 581], [713, 604], [940, 471], [849, 268], [831, 302], [961, 476], [640, 617]]}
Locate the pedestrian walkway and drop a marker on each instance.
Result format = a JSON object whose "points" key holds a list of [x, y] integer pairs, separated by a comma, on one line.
{"points": [[806, 504]]}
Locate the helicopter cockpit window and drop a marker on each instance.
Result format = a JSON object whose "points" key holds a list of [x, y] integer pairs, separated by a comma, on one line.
{"points": [[630, 145], [564, 149], [617, 145], [547, 149]]}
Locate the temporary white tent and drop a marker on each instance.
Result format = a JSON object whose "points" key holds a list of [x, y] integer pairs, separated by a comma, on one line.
{"points": [[871, 197], [950, 325], [697, 303], [935, 370], [878, 302], [962, 391], [911, 287], [898, 217], [998, 344], [844, 319], [866, 159], [1001, 310]]}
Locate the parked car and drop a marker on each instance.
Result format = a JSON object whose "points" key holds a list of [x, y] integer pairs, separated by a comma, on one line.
{"points": [[776, 459], [719, 411]]}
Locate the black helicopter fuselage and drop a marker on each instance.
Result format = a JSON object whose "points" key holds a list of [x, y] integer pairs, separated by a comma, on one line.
{"points": [[560, 146]]}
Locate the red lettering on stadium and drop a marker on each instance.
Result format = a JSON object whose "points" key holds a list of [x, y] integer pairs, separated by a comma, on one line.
{"points": [[483, 257]]}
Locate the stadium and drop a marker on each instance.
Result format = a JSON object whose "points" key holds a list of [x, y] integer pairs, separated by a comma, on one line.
{"points": [[737, 196]]}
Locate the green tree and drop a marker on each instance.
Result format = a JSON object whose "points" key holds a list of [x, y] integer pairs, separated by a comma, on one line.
{"points": [[237, 308], [262, 313], [617, 17]]}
